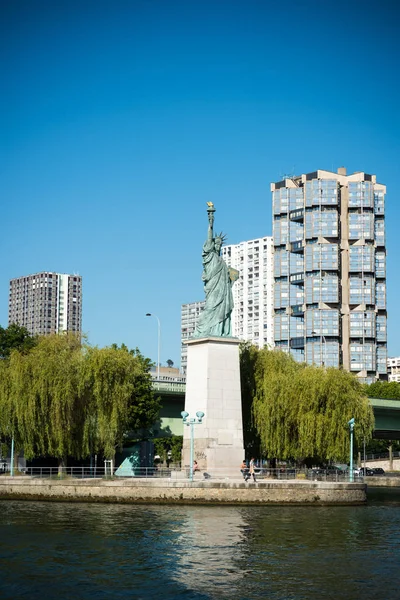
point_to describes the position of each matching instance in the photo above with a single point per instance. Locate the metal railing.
(90, 472)
(382, 455)
(169, 386)
(183, 474)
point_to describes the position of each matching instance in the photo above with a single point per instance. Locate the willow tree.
(248, 361)
(7, 413)
(121, 392)
(49, 402)
(301, 412)
(64, 399)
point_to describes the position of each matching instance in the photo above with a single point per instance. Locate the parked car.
(368, 472)
(378, 471)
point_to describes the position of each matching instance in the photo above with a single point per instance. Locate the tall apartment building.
(46, 302)
(330, 270)
(253, 312)
(393, 369)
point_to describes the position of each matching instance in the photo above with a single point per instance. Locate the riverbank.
(383, 481)
(183, 491)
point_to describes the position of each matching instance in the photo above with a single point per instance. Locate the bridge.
(172, 394)
(387, 418)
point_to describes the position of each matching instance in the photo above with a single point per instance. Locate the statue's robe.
(215, 320)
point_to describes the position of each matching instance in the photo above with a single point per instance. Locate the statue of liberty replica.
(213, 396)
(215, 320)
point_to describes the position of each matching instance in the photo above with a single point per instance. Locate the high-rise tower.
(253, 302)
(46, 302)
(330, 270)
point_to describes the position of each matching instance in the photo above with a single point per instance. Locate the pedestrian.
(195, 466)
(244, 470)
(252, 470)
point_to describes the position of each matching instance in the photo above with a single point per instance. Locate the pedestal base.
(213, 387)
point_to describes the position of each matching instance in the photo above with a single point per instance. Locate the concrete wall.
(169, 491)
(383, 464)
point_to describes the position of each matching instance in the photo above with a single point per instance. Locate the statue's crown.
(220, 236)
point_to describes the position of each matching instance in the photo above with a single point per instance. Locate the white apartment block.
(253, 312)
(46, 302)
(253, 292)
(393, 368)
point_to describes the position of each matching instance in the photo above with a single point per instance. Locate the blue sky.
(119, 120)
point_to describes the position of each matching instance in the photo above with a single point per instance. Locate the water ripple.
(84, 551)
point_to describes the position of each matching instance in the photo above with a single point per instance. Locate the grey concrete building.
(330, 270)
(189, 316)
(46, 302)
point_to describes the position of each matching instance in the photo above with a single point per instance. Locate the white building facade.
(253, 292)
(393, 368)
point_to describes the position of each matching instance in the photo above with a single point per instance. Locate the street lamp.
(323, 347)
(158, 345)
(12, 457)
(351, 427)
(191, 422)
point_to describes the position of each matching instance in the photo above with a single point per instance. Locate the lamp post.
(323, 347)
(351, 427)
(191, 422)
(158, 344)
(12, 457)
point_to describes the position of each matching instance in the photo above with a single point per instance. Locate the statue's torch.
(210, 212)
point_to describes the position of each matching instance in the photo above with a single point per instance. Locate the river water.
(82, 551)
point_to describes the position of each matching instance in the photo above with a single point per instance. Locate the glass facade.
(330, 269)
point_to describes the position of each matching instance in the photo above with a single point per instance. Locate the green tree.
(383, 389)
(248, 361)
(48, 406)
(144, 406)
(170, 363)
(122, 394)
(15, 337)
(171, 444)
(63, 398)
(301, 412)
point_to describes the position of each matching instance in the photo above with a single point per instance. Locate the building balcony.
(297, 343)
(297, 310)
(297, 215)
(297, 246)
(297, 278)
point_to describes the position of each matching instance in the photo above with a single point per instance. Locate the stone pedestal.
(213, 387)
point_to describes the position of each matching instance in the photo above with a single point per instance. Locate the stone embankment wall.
(382, 481)
(166, 491)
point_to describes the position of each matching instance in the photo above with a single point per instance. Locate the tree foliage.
(63, 398)
(15, 337)
(301, 412)
(383, 389)
(171, 444)
(248, 359)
